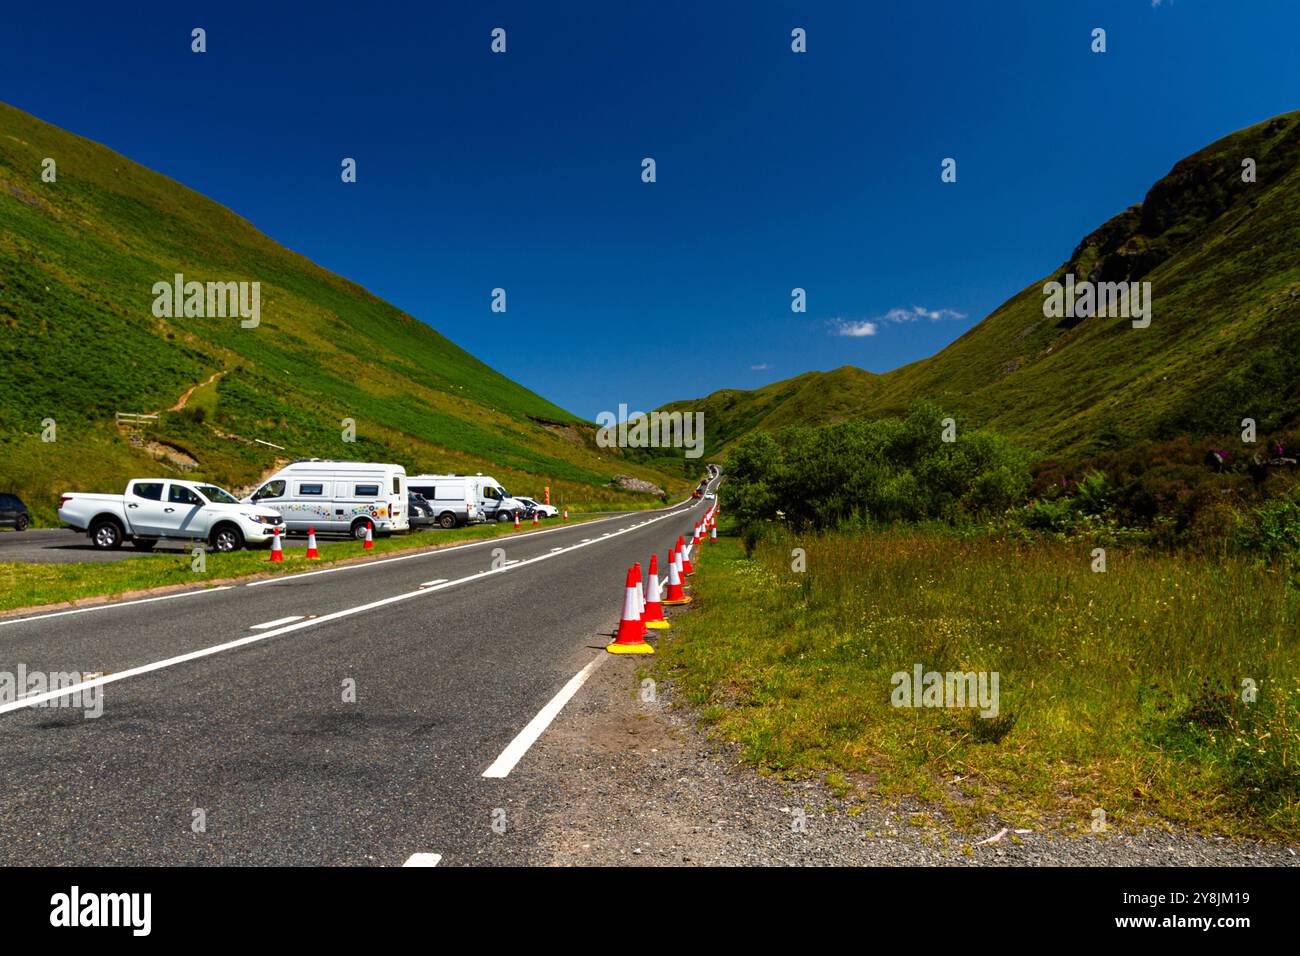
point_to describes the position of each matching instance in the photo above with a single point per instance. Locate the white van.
(482, 493)
(337, 496)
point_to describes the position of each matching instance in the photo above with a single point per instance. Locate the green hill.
(1223, 260)
(79, 342)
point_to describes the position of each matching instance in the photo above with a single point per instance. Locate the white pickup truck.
(154, 509)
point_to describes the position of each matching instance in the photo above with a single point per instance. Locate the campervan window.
(397, 485)
(311, 488)
(367, 491)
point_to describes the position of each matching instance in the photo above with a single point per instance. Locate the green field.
(1120, 691)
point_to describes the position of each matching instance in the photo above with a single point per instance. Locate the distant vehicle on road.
(14, 512)
(531, 506)
(491, 501)
(337, 496)
(419, 512)
(709, 495)
(155, 509)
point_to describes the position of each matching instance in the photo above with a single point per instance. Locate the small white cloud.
(759, 368)
(921, 312)
(854, 328)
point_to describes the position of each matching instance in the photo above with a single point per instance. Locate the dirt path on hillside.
(180, 403)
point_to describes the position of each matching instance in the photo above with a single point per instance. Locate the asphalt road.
(259, 737)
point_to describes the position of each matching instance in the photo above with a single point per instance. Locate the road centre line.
(423, 859)
(68, 690)
(276, 623)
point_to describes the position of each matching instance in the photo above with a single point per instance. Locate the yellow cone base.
(630, 649)
(686, 600)
(658, 625)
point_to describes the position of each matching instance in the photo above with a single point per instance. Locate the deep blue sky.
(775, 170)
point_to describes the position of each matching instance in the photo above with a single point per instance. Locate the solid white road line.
(270, 624)
(424, 859)
(105, 607)
(528, 736)
(33, 699)
(429, 584)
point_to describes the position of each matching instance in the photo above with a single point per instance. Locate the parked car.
(14, 512)
(157, 509)
(337, 496)
(532, 506)
(418, 511)
(459, 499)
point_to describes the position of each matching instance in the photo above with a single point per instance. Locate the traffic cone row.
(643, 603)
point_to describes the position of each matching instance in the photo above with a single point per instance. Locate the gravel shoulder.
(630, 781)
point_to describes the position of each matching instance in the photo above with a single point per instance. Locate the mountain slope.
(1223, 260)
(79, 341)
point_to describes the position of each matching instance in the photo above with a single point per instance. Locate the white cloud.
(852, 327)
(760, 367)
(921, 312)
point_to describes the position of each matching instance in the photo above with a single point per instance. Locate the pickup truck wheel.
(21, 523)
(503, 516)
(227, 538)
(106, 534)
(143, 544)
(447, 520)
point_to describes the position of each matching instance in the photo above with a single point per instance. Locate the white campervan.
(483, 494)
(337, 496)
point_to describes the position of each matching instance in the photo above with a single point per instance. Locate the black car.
(418, 510)
(14, 512)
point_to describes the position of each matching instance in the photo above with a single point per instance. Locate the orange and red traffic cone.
(676, 595)
(370, 536)
(654, 609)
(630, 638)
(685, 556)
(277, 554)
(311, 544)
(516, 520)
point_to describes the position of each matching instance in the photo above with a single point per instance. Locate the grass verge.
(25, 585)
(1120, 692)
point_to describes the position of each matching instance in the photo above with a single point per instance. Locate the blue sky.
(775, 170)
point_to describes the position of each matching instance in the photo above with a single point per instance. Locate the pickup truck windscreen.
(218, 495)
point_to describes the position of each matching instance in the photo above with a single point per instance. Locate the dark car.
(14, 512)
(419, 511)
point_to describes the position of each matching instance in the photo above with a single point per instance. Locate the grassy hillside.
(78, 342)
(1223, 344)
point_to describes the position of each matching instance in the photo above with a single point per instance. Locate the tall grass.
(1120, 690)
